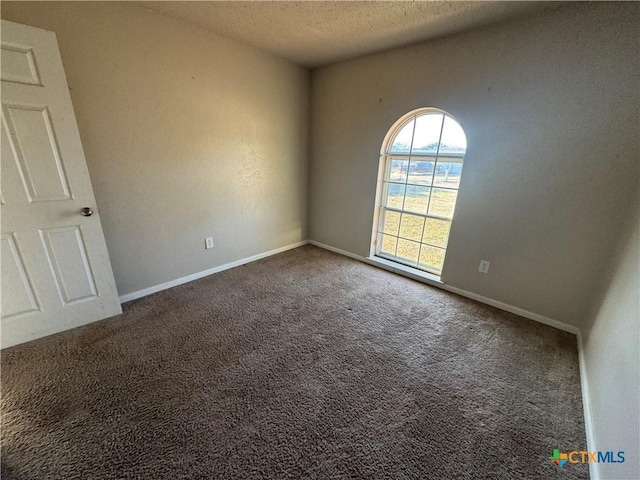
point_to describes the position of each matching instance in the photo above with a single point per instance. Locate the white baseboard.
(384, 265)
(594, 472)
(204, 273)
(516, 310)
(337, 250)
(474, 296)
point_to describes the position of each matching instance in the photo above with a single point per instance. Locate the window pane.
(402, 141)
(431, 258)
(447, 174)
(408, 251)
(391, 222)
(427, 134)
(395, 195)
(453, 138)
(442, 202)
(421, 170)
(417, 199)
(388, 245)
(436, 232)
(411, 227)
(398, 170)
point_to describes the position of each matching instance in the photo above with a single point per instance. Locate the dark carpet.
(303, 365)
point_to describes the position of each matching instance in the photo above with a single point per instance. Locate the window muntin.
(422, 168)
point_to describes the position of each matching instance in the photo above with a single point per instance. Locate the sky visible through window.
(426, 135)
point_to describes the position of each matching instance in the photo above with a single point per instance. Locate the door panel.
(15, 279)
(55, 272)
(69, 264)
(32, 140)
(18, 65)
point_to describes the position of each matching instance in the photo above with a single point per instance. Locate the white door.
(55, 270)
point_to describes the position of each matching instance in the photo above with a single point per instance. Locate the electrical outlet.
(208, 243)
(484, 266)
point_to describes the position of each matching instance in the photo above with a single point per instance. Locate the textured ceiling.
(317, 33)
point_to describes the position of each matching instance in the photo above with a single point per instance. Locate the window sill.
(406, 271)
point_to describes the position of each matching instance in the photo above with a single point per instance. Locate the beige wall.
(549, 105)
(187, 135)
(611, 351)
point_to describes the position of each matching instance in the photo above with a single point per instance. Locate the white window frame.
(379, 213)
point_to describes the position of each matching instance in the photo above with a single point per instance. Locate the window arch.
(421, 165)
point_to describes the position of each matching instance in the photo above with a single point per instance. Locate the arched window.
(421, 164)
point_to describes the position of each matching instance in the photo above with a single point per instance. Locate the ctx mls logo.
(577, 456)
(559, 458)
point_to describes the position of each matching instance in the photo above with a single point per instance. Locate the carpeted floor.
(303, 365)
